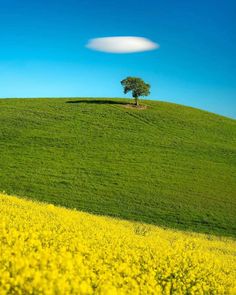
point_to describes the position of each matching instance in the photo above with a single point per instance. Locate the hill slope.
(168, 165)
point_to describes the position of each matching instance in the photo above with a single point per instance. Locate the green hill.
(168, 165)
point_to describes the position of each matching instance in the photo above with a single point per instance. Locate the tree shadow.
(98, 101)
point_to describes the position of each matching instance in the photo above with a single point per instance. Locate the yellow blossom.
(49, 250)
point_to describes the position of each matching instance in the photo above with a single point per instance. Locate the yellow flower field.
(50, 250)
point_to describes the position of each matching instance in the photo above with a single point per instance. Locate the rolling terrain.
(167, 165)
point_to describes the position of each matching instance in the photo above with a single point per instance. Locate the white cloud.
(122, 44)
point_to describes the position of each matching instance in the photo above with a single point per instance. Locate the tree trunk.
(136, 101)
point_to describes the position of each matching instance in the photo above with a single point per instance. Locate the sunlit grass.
(167, 165)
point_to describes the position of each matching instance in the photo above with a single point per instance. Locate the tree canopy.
(137, 86)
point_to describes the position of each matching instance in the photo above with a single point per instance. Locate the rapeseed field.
(46, 249)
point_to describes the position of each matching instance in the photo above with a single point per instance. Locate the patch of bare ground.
(134, 107)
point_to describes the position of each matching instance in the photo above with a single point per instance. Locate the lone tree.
(137, 86)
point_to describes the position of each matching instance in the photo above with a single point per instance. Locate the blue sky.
(43, 53)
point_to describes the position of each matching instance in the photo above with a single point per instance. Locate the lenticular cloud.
(122, 44)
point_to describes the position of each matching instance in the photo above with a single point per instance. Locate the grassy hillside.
(51, 250)
(168, 165)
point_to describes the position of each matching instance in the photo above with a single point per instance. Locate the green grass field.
(167, 165)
